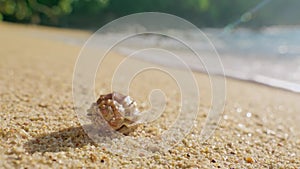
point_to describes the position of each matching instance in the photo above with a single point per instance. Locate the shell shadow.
(72, 137)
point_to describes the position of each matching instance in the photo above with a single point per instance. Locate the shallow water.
(269, 56)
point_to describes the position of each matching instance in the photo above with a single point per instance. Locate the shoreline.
(78, 38)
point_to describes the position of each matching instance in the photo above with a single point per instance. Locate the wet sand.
(39, 129)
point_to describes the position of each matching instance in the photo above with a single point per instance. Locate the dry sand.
(39, 129)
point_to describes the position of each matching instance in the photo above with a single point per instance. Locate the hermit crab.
(120, 112)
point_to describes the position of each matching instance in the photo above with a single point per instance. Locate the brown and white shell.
(119, 111)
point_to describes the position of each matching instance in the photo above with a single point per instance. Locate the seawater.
(269, 56)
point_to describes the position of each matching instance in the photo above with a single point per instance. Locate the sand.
(39, 128)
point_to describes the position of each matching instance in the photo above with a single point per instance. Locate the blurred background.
(91, 14)
(258, 40)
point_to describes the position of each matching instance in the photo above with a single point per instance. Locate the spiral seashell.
(119, 111)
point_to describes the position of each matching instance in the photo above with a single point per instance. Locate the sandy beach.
(39, 128)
